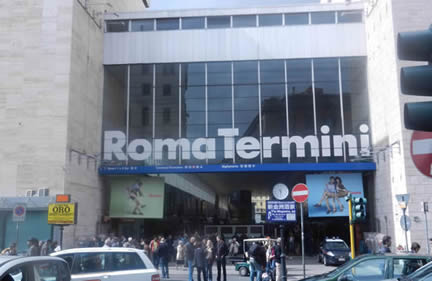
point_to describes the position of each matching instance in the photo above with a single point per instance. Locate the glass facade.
(267, 102)
(344, 17)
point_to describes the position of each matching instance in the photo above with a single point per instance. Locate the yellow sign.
(62, 213)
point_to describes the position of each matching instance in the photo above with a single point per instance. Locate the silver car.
(17, 268)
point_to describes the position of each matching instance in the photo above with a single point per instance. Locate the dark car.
(374, 268)
(333, 252)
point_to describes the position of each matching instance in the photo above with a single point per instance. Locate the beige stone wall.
(85, 111)
(34, 86)
(396, 173)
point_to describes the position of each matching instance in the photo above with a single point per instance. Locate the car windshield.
(336, 246)
(419, 273)
(341, 268)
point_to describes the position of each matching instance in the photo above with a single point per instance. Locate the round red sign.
(421, 152)
(300, 193)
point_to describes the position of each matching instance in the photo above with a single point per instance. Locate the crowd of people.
(34, 248)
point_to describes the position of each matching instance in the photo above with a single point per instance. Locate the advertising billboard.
(137, 197)
(62, 213)
(327, 193)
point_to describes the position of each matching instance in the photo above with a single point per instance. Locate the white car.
(17, 268)
(109, 264)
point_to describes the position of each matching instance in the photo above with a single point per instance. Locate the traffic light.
(358, 209)
(416, 80)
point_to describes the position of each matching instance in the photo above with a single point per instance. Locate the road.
(294, 267)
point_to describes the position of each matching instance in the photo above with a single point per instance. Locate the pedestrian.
(128, 243)
(234, 247)
(107, 243)
(190, 254)
(200, 260)
(386, 243)
(164, 254)
(257, 261)
(46, 248)
(270, 255)
(55, 247)
(278, 260)
(210, 259)
(415, 247)
(180, 254)
(146, 248)
(33, 247)
(221, 252)
(11, 251)
(154, 244)
(291, 243)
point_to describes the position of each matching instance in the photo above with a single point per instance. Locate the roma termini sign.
(325, 145)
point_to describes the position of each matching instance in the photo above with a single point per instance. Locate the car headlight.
(330, 254)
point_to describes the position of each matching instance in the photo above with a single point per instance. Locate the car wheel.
(243, 271)
(325, 261)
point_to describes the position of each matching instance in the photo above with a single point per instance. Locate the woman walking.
(210, 259)
(180, 254)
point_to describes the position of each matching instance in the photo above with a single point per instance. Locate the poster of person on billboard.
(327, 193)
(137, 197)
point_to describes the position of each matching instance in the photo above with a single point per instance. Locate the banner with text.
(327, 193)
(137, 197)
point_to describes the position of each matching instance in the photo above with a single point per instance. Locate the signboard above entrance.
(326, 145)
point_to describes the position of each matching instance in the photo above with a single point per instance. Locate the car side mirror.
(346, 277)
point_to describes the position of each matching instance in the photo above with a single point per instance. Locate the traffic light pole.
(351, 226)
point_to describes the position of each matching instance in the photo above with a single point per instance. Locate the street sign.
(300, 193)
(421, 152)
(408, 222)
(62, 213)
(280, 211)
(403, 200)
(19, 213)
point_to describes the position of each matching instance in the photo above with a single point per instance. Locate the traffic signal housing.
(416, 80)
(358, 209)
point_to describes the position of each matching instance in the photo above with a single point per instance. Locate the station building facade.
(232, 101)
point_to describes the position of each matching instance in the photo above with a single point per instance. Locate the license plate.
(341, 259)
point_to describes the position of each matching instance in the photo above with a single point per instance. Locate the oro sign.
(421, 152)
(62, 213)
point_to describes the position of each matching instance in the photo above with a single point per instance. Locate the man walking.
(189, 255)
(221, 252)
(164, 253)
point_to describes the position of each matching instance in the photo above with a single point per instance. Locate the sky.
(198, 4)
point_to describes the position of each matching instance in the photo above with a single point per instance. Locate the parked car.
(374, 268)
(333, 251)
(17, 268)
(109, 264)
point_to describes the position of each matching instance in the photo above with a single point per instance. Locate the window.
(19, 273)
(167, 90)
(350, 16)
(145, 117)
(127, 261)
(323, 17)
(143, 25)
(296, 19)
(117, 26)
(167, 24)
(166, 115)
(244, 21)
(193, 23)
(50, 271)
(218, 22)
(90, 263)
(403, 267)
(69, 259)
(369, 270)
(146, 89)
(270, 19)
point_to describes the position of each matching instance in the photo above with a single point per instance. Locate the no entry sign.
(300, 193)
(421, 152)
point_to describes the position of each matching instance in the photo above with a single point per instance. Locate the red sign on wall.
(421, 152)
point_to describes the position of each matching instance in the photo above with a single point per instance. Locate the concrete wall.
(395, 171)
(34, 74)
(85, 111)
